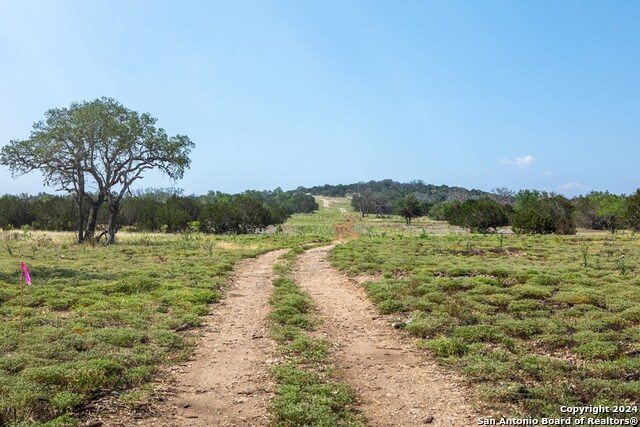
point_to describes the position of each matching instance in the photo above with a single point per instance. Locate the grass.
(535, 322)
(324, 222)
(308, 393)
(100, 317)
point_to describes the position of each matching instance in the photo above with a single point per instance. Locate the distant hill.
(428, 193)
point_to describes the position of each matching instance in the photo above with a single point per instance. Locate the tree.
(633, 210)
(542, 213)
(99, 143)
(610, 209)
(586, 216)
(363, 201)
(58, 148)
(444, 210)
(482, 215)
(503, 195)
(240, 214)
(408, 207)
(134, 145)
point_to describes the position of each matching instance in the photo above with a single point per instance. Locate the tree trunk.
(114, 208)
(79, 202)
(92, 220)
(80, 219)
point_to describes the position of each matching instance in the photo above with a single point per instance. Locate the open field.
(322, 223)
(102, 319)
(530, 322)
(535, 321)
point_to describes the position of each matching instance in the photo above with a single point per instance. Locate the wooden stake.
(20, 335)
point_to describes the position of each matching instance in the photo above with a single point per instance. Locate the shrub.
(483, 215)
(541, 213)
(603, 350)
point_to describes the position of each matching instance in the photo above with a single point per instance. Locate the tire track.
(227, 381)
(396, 384)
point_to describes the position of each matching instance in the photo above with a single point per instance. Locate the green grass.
(523, 317)
(323, 222)
(308, 393)
(102, 317)
(534, 321)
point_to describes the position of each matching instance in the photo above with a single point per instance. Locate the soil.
(227, 381)
(397, 384)
(346, 229)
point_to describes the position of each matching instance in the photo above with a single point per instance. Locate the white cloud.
(520, 162)
(573, 187)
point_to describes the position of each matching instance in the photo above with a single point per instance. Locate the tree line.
(166, 210)
(528, 211)
(539, 212)
(96, 150)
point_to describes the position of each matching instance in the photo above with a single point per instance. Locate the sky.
(481, 94)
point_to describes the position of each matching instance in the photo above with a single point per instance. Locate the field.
(530, 322)
(99, 319)
(535, 322)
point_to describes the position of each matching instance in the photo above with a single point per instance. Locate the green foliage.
(584, 251)
(482, 215)
(408, 207)
(41, 212)
(162, 210)
(239, 215)
(97, 143)
(305, 398)
(446, 347)
(390, 191)
(541, 213)
(603, 210)
(632, 208)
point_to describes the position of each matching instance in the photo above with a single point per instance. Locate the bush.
(541, 213)
(483, 215)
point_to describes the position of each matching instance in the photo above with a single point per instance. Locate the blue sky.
(481, 94)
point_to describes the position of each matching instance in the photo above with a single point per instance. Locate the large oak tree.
(96, 150)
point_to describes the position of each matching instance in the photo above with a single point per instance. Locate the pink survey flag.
(27, 278)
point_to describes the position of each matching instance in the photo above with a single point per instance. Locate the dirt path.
(346, 229)
(397, 385)
(227, 383)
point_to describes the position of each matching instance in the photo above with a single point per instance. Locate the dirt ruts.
(397, 385)
(227, 381)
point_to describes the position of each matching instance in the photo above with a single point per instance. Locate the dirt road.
(396, 384)
(227, 383)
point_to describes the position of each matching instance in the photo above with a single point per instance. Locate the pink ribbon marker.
(27, 278)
